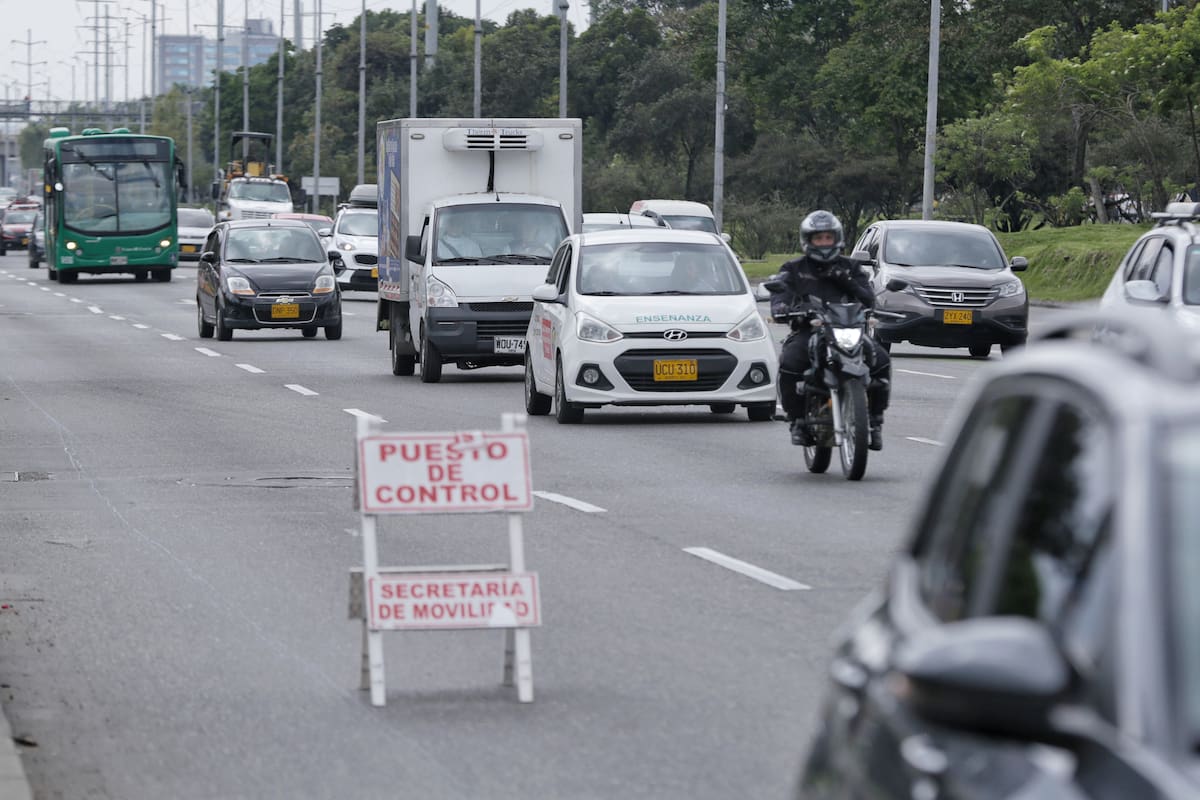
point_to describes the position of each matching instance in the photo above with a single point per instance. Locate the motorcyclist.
(823, 272)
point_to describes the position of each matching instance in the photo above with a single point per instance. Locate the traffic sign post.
(445, 473)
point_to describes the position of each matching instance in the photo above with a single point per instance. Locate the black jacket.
(839, 281)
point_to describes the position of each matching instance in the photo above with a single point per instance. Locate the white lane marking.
(59, 294)
(172, 337)
(76, 300)
(96, 309)
(140, 326)
(45, 288)
(204, 351)
(187, 301)
(249, 368)
(358, 412)
(578, 505)
(117, 317)
(298, 389)
(927, 374)
(749, 570)
(923, 440)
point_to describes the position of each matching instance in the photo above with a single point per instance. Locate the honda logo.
(675, 335)
(958, 297)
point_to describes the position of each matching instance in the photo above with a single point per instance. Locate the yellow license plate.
(285, 311)
(24, 240)
(676, 369)
(374, 272)
(188, 248)
(955, 316)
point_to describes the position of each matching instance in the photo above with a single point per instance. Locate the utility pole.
(563, 5)
(279, 98)
(188, 87)
(316, 203)
(931, 92)
(412, 64)
(29, 65)
(362, 91)
(245, 77)
(217, 89)
(478, 94)
(719, 132)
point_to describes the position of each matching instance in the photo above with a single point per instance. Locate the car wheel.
(979, 350)
(309, 331)
(333, 332)
(402, 363)
(536, 403)
(431, 360)
(566, 412)
(722, 408)
(761, 412)
(224, 332)
(205, 329)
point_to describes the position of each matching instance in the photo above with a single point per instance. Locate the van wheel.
(431, 360)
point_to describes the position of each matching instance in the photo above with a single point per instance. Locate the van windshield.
(498, 233)
(686, 222)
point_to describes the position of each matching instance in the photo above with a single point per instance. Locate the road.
(178, 529)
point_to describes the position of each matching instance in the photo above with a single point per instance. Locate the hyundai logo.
(675, 335)
(957, 297)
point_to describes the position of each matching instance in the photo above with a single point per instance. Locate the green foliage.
(1071, 264)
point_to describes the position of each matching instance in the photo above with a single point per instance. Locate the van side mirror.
(412, 249)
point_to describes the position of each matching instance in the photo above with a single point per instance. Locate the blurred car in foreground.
(266, 273)
(961, 291)
(1039, 636)
(603, 221)
(194, 225)
(647, 317)
(1161, 271)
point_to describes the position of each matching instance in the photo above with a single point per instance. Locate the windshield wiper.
(508, 258)
(242, 260)
(460, 260)
(154, 177)
(287, 259)
(605, 293)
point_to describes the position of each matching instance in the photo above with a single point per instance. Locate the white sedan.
(647, 317)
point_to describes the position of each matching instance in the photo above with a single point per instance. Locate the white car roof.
(654, 234)
(619, 219)
(689, 207)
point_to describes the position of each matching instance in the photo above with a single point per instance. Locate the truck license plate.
(509, 345)
(285, 311)
(955, 316)
(677, 369)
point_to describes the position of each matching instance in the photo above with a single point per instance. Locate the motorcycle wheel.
(817, 458)
(855, 430)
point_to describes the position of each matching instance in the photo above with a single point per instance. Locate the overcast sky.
(65, 32)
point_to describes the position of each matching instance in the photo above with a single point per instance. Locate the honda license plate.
(285, 311)
(509, 345)
(675, 369)
(958, 316)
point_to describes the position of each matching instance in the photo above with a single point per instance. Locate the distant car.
(37, 241)
(959, 288)
(597, 221)
(1038, 636)
(17, 224)
(1161, 271)
(678, 214)
(356, 238)
(194, 225)
(266, 273)
(646, 317)
(320, 223)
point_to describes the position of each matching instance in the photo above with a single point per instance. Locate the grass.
(1065, 264)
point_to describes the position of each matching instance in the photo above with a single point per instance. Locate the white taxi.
(647, 317)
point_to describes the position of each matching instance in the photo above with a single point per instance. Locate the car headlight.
(748, 330)
(238, 285)
(325, 284)
(590, 329)
(847, 338)
(346, 246)
(1011, 288)
(439, 295)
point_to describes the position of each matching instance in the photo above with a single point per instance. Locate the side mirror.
(761, 292)
(208, 257)
(546, 293)
(1019, 263)
(774, 284)
(325, 232)
(862, 257)
(990, 675)
(412, 249)
(896, 285)
(1144, 292)
(335, 258)
(726, 237)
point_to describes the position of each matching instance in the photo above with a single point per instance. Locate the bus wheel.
(140, 275)
(52, 273)
(67, 277)
(163, 275)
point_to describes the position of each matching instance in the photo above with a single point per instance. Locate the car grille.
(690, 335)
(256, 214)
(366, 260)
(501, 328)
(950, 297)
(512, 308)
(713, 367)
(273, 295)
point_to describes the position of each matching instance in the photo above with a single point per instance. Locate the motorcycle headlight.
(590, 329)
(439, 295)
(238, 285)
(748, 330)
(1011, 289)
(847, 338)
(324, 284)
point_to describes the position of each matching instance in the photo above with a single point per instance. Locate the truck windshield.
(260, 192)
(502, 233)
(107, 197)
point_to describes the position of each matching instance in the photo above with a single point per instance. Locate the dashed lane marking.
(204, 351)
(927, 374)
(358, 412)
(747, 569)
(923, 440)
(578, 505)
(249, 368)
(172, 337)
(298, 389)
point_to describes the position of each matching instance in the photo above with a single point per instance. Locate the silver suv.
(1161, 272)
(950, 284)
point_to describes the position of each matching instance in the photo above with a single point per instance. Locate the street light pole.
(412, 64)
(316, 203)
(478, 95)
(362, 91)
(719, 132)
(563, 5)
(279, 99)
(935, 25)
(245, 77)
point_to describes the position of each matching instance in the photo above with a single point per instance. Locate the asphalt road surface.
(178, 529)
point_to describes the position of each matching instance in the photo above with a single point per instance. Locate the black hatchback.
(1039, 637)
(266, 273)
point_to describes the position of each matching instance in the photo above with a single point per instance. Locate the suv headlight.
(1011, 288)
(347, 246)
(748, 330)
(439, 295)
(590, 329)
(238, 285)
(324, 284)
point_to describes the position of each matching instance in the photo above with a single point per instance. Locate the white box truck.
(470, 214)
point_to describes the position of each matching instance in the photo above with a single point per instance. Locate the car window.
(564, 275)
(869, 242)
(1131, 260)
(1161, 272)
(1145, 263)
(1191, 277)
(973, 487)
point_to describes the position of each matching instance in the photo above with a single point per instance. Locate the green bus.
(110, 204)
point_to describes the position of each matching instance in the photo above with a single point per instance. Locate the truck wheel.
(402, 363)
(431, 361)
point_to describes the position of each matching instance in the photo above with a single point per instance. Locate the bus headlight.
(165, 243)
(72, 246)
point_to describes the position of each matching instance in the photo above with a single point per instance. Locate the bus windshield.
(117, 196)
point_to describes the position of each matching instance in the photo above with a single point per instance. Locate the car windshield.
(19, 217)
(658, 268)
(688, 222)
(1191, 277)
(195, 218)
(950, 248)
(1182, 475)
(273, 245)
(359, 223)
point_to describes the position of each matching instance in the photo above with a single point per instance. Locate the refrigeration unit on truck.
(470, 214)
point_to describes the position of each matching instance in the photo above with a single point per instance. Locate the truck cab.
(250, 189)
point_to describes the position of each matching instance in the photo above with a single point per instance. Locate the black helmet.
(821, 222)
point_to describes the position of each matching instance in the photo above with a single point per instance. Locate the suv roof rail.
(1158, 343)
(1177, 212)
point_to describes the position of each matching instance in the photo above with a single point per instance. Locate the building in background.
(176, 53)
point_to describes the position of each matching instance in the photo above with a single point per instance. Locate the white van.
(679, 214)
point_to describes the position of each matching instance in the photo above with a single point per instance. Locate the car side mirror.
(208, 257)
(991, 675)
(761, 292)
(412, 249)
(896, 285)
(325, 232)
(862, 257)
(774, 284)
(546, 293)
(726, 237)
(1019, 263)
(1144, 292)
(335, 256)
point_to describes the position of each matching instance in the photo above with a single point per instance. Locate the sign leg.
(364, 678)
(524, 666)
(375, 654)
(508, 657)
